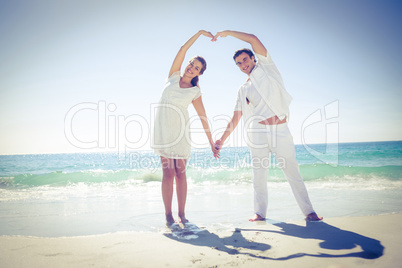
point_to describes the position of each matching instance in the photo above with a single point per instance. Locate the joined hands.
(216, 148)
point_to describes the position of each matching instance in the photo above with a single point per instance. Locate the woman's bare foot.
(256, 217)
(169, 219)
(313, 217)
(182, 219)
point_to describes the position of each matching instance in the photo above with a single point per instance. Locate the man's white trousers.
(276, 139)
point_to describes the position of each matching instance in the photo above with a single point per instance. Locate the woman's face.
(193, 68)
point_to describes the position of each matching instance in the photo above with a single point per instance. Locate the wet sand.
(368, 241)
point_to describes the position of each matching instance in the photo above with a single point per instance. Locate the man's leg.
(260, 160)
(285, 153)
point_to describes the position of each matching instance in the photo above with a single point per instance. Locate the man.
(264, 101)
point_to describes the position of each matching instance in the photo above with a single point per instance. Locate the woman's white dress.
(171, 138)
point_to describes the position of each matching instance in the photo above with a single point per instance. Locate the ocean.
(54, 195)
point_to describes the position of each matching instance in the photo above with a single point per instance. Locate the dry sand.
(370, 241)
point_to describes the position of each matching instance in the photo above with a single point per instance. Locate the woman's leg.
(168, 167)
(181, 187)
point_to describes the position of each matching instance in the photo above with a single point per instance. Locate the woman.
(171, 129)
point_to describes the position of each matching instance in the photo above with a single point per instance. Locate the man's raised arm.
(253, 40)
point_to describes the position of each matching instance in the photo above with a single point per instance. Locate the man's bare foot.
(313, 217)
(256, 217)
(182, 219)
(169, 219)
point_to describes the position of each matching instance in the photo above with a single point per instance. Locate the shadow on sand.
(328, 237)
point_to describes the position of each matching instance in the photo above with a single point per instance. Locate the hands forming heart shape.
(214, 37)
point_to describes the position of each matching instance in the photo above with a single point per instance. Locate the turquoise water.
(81, 194)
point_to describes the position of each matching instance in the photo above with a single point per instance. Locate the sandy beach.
(366, 241)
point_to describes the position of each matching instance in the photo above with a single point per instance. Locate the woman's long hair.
(194, 81)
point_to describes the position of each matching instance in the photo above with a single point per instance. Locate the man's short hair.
(245, 50)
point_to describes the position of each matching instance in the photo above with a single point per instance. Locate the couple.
(263, 101)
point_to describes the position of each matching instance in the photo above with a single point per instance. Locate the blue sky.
(96, 67)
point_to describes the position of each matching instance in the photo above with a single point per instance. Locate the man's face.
(245, 63)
